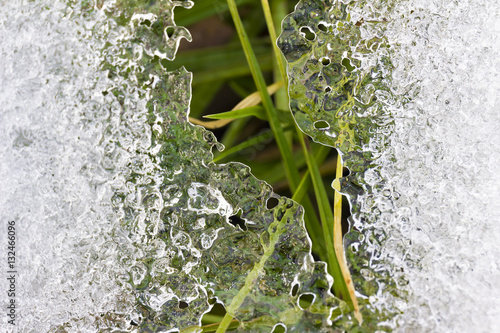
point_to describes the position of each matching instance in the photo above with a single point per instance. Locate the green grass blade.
(230, 72)
(276, 229)
(280, 10)
(335, 253)
(302, 189)
(208, 58)
(313, 225)
(274, 38)
(256, 111)
(233, 132)
(290, 170)
(202, 10)
(262, 137)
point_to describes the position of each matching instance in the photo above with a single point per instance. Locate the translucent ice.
(441, 165)
(415, 112)
(53, 181)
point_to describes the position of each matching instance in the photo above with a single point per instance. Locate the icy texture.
(338, 74)
(339, 85)
(52, 179)
(176, 206)
(123, 221)
(441, 168)
(424, 234)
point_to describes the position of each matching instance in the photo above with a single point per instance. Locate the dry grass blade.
(338, 241)
(251, 100)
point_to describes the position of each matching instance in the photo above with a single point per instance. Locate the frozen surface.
(424, 176)
(123, 221)
(53, 181)
(443, 163)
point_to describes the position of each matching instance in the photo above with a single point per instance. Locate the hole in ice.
(322, 27)
(345, 172)
(347, 64)
(183, 305)
(305, 300)
(237, 221)
(215, 315)
(321, 125)
(146, 23)
(295, 289)
(271, 203)
(279, 328)
(169, 32)
(325, 61)
(308, 33)
(354, 247)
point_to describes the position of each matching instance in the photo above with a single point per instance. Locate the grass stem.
(286, 152)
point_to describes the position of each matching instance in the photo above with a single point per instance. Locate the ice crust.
(122, 218)
(424, 240)
(424, 177)
(52, 182)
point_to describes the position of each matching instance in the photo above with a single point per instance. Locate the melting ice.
(431, 220)
(424, 174)
(122, 219)
(51, 179)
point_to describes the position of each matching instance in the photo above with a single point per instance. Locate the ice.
(52, 183)
(123, 220)
(424, 177)
(443, 154)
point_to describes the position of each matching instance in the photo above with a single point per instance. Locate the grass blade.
(256, 111)
(326, 216)
(251, 142)
(274, 38)
(286, 152)
(343, 284)
(243, 109)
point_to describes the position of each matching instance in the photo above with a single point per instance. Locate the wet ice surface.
(443, 163)
(52, 181)
(122, 219)
(110, 203)
(425, 226)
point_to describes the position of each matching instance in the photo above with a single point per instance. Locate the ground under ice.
(437, 203)
(416, 117)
